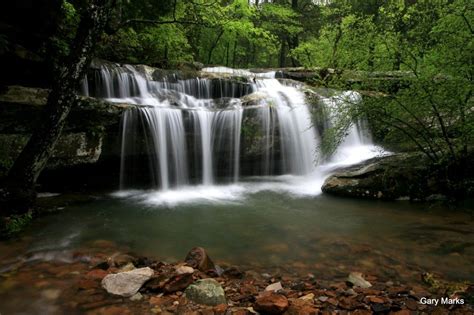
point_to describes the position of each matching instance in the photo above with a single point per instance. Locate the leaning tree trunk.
(19, 192)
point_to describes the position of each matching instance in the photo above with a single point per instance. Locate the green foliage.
(14, 224)
(61, 42)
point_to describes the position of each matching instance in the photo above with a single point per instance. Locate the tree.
(19, 191)
(435, 111)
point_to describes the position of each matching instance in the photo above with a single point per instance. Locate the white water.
(192, 131)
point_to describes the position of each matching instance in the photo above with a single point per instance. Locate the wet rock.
(127, 283)
(380, 308)
(271, 304)
(207, 292)
(274, 287)
(387, 177)
(198, 259)
(233, 272)
(178, 282)
(358, 281)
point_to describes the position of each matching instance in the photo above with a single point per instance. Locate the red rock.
(198, 259)
(96, 274)
(374, 299)
(301, 307)
(110, 310)
(271, 304)
(220, 309)
(86, 284)
(178, 283)
(348, 303)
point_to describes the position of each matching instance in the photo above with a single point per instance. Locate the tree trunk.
(294, 41)
(19, 192)
(282, 55)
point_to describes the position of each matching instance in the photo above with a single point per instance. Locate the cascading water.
(221, 127)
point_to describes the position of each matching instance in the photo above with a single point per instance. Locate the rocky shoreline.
(107, 282)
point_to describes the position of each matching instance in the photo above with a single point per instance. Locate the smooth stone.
(51, 294)
(307, 297)
(274, 287)
(136, 297)
(323, 298)
(358, 281)
(184, 269)
(127, 267)
(127, 283)
(207, 292)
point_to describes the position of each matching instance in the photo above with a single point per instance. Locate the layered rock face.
(399, 176)
(87, 149)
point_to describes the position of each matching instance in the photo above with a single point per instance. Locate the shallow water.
(254, 227)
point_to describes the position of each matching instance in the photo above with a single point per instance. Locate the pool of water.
(272, 225)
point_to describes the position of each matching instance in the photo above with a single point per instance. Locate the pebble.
(274, 287)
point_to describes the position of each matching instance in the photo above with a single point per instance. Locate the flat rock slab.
(127, 283)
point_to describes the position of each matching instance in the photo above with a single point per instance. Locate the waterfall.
(216, 128)
(203, 128)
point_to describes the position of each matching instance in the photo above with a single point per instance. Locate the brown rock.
(118, 260)
(178, 283)
(332, 301)
(401, 312)
(374, 299)
(156, 300)
(412, 305)
(157, 283)
(301, 307)
(86, 284)
(233, 272)
(96, 274)
(241, 311)
(198, 259)
(220, 309)
(271, 304)
(348, 303)
(110, 310)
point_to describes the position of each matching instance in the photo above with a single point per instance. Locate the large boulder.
(400, 176)
(198, 259)
(206, 291)
(127, 283)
